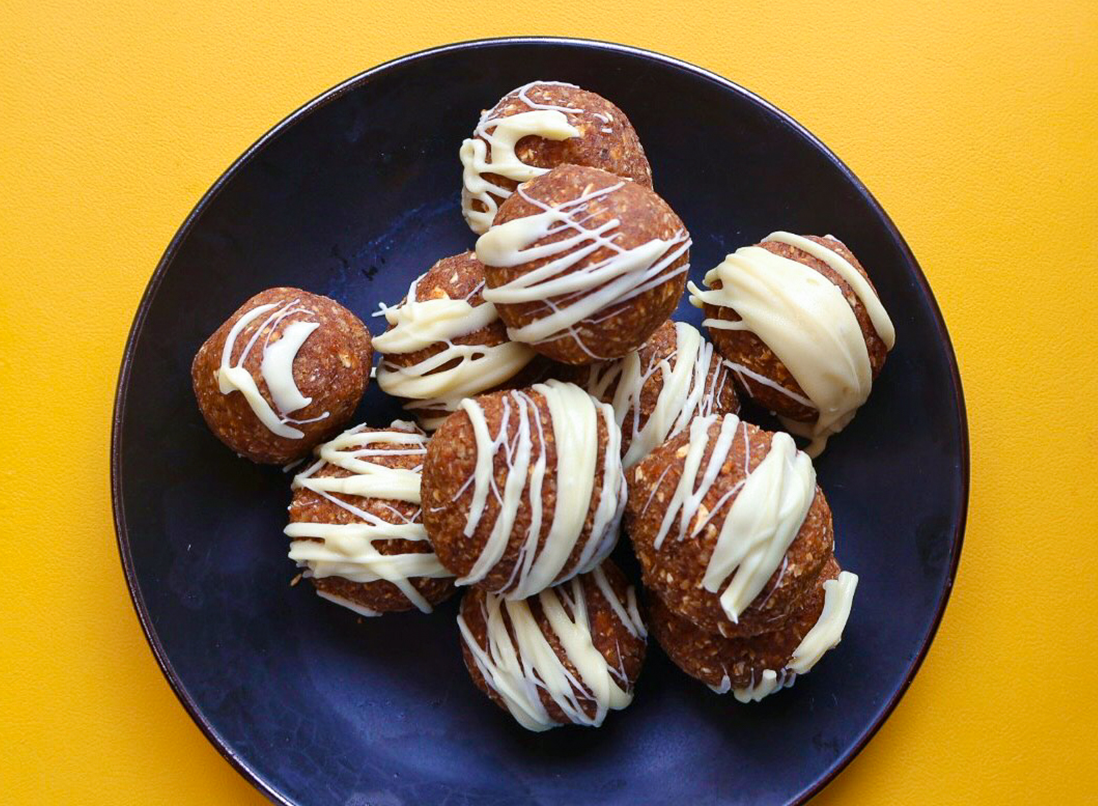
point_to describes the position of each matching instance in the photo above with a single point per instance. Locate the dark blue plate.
(354, 195)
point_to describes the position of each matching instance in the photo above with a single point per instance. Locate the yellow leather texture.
(975, 123)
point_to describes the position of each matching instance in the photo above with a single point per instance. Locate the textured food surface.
(621, 326)
(737, 662)
(662, 345)
(622, 650)
(675, 571)
(382, 596)
(448, 490)
(606, 138)
(745, 348)
(332, 367)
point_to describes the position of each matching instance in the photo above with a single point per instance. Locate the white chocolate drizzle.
(807, 322)
(276, 367)
(501, 135)
(824, 636)
(767, 510)
(348, 550)
(441, 381)
(574, 426)
(692, 380)
(574, 292)
(520, 663)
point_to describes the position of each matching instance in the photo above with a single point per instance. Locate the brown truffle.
(475, 356)
(745, 348)
(651, 381)
(608, 263)
(675, 571)
(378, 539)
(601, 604)
(528, 495)
(330, 370)
(730, 663)
(601, 136)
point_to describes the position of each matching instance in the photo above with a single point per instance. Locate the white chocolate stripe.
(882, 322)
(276, 367)
(573, 295)
(573, 424)
(519, 664)
(347, 550)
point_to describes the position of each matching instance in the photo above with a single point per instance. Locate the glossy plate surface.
(352, 197)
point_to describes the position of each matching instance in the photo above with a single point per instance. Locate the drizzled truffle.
(523, 489)
(568, 655)
(539, 126)
(583, 265)
(803, 327)
(284, 373)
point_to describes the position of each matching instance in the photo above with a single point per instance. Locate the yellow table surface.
(974, 123)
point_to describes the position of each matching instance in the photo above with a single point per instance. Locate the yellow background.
(975, 124)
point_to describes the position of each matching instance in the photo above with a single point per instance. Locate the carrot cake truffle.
(356, 527)
(523, 489)
(445, 343)
(729, 526)
(565, 656)
(658, 390)
(752, 668)
(536, 127)
(584, 265)
(283, 374)
(802, 323)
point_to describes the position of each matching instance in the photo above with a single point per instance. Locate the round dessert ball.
(796, 347)
(658, 390)
(539, 126)
(728, 524)
(356, 524)
(523, 489)
(283, 374)
(565, 656)
(755, 666)
(584, 265)
(445, 343)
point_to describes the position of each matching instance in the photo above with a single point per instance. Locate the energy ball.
(283, 374)
(729, 526)
(752, 668)
(539, 126)
(565, 656)
(803, 326)
(658, 390)
(356, 524)
(583, 265)
(445, 343)
(523, 489)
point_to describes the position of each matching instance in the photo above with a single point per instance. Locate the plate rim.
(117, 494)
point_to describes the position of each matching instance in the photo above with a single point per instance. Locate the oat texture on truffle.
(446, 343)
(282, 374)
(539, 126)
(728, 524)
(803, 326)
(756, 666)
(658, 390)
(523, 489)
(568, 655)
(584, 265)
(356, 525)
